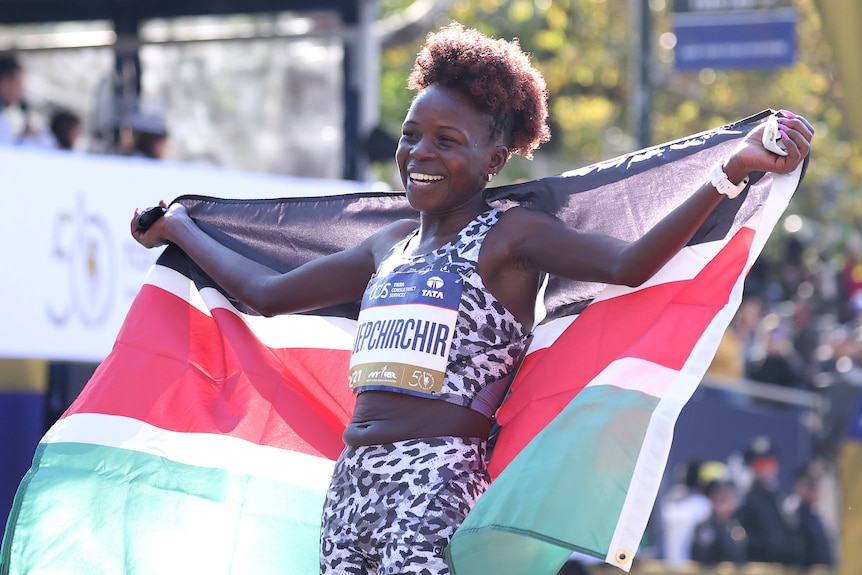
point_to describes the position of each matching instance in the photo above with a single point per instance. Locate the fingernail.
(783, 131)
(788, 113)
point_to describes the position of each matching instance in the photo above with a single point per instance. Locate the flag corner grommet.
(622, 557)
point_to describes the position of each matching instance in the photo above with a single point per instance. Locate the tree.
(582, 48)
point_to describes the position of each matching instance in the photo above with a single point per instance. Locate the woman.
(427, 383)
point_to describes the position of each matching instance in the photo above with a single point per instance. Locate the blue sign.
(735, 40)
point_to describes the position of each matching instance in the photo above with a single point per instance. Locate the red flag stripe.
(196, 373)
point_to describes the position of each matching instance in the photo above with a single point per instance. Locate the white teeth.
(425, 177)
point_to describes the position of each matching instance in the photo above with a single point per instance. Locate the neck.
(437, 230)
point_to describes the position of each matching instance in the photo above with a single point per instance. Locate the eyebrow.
(444, 126)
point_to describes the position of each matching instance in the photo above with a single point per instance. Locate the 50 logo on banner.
(84, 252)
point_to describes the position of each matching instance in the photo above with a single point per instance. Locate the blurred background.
(317, 90)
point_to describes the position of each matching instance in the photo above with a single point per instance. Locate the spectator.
(149, 137)
(814, 539)
(780, 364)
(850, 285)
(66, 128)
(770, 536)
(720, 538)
(806, 339)
(734, 350)
(682, 508)
(17, 129)
(839, 383)
(11, 94)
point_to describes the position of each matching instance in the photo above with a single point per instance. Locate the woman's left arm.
(593, 257)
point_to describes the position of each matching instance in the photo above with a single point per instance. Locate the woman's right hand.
(157, 234)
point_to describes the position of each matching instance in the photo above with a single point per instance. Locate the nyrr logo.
(434, 283)
(382, 373)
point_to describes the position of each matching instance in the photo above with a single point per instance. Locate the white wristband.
(719, 181)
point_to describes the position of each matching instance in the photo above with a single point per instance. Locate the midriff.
(387, 417)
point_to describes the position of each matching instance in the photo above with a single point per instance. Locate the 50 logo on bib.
(405, 331)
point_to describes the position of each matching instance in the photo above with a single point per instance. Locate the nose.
(421, 148)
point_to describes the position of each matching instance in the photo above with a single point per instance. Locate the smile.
(423, 179)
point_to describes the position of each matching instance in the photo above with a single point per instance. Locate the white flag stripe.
(177, 284)
(546, 334)
(197, 449)
(635, 374)
(280, 332)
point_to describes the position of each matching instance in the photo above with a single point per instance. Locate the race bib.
(405, 331)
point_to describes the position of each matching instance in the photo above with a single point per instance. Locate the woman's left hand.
(752, 156)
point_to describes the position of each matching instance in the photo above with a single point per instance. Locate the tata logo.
(434, 282)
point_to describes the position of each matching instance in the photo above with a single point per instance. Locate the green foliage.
(583, 49)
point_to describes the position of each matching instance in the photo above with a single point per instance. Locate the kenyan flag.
(205, 440)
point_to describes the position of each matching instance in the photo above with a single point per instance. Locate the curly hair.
(496, 75)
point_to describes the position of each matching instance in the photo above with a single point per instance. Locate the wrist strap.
(719, 181)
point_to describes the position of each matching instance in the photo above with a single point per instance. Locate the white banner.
(70, 268)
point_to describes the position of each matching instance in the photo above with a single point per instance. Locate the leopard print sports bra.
(429, 327)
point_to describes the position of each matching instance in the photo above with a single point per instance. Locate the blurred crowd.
(799, 327)
(138, 133)
(712, 515)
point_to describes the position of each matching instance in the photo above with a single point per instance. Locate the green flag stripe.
(594, 443)
(119, 501)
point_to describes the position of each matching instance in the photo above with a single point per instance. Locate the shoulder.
(520, 222)
(398, 229)
(507, 243)
(520, 215)
(518, 227)
(381, 241)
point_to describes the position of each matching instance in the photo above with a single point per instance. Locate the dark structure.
(127, 16)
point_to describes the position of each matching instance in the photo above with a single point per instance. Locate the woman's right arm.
(329, 280)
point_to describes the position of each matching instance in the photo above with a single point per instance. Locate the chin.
(413, 200)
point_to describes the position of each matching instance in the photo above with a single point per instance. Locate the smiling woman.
(448, 302)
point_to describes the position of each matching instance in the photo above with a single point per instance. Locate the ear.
(499, 158)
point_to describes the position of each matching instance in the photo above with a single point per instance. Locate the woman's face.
(445, 153)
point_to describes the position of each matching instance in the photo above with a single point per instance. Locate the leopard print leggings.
(391, 509)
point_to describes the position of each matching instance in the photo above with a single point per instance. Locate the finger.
(792, 141)
(790, 115)
(799, 124)
(800, 138)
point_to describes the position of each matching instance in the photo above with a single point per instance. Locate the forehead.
(446, 106)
